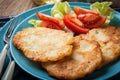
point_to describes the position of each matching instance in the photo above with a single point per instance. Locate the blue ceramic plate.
(35, 68)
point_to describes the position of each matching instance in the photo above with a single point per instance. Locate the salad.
(77, 20)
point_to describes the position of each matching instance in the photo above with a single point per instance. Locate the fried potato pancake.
(85, 58)
(109, 40)
(43, 44)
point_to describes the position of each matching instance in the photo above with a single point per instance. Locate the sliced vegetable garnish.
(98, 23)
(79, 10)
(73, 24)
(104, 9)
(78, 20)
(89, 18)
(61, 8)
(45, 17)
(51, 25)
(35, 23)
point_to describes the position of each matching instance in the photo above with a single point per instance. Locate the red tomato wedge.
(88, 17)
(51, 25)
(45, 17)
(79, 10)
(74, 24)
(81, 17)
(100, 22)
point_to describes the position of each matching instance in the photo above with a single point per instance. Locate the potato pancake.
(85, 58)
(109, 40)
(43, 44)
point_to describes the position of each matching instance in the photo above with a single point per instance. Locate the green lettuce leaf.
(35, 23)
(61, 8)
(104, 9)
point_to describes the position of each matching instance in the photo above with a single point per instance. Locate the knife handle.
(9, 71)
(2, 57)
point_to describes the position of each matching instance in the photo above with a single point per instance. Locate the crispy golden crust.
(109, 40)
(43, 44)
(86, 57)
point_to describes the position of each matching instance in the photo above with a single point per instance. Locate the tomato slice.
(76, 21)
(51, 25)
(73, 24)
(100, 22)
(88, 18)
(81, 17)
(49, 18)
(79, 10)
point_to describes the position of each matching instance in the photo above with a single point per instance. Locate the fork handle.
(9, 71)
(2, 57)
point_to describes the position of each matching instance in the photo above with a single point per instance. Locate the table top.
(15, 7)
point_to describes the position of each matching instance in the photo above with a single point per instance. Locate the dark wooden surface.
(14, 7)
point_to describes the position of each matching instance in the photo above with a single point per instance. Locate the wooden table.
(14, 7)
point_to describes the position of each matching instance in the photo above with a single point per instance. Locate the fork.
(10, 68)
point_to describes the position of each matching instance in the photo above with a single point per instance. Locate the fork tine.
(9, 27)
(13, 27)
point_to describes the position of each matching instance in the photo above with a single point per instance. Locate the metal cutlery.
(10, 68)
